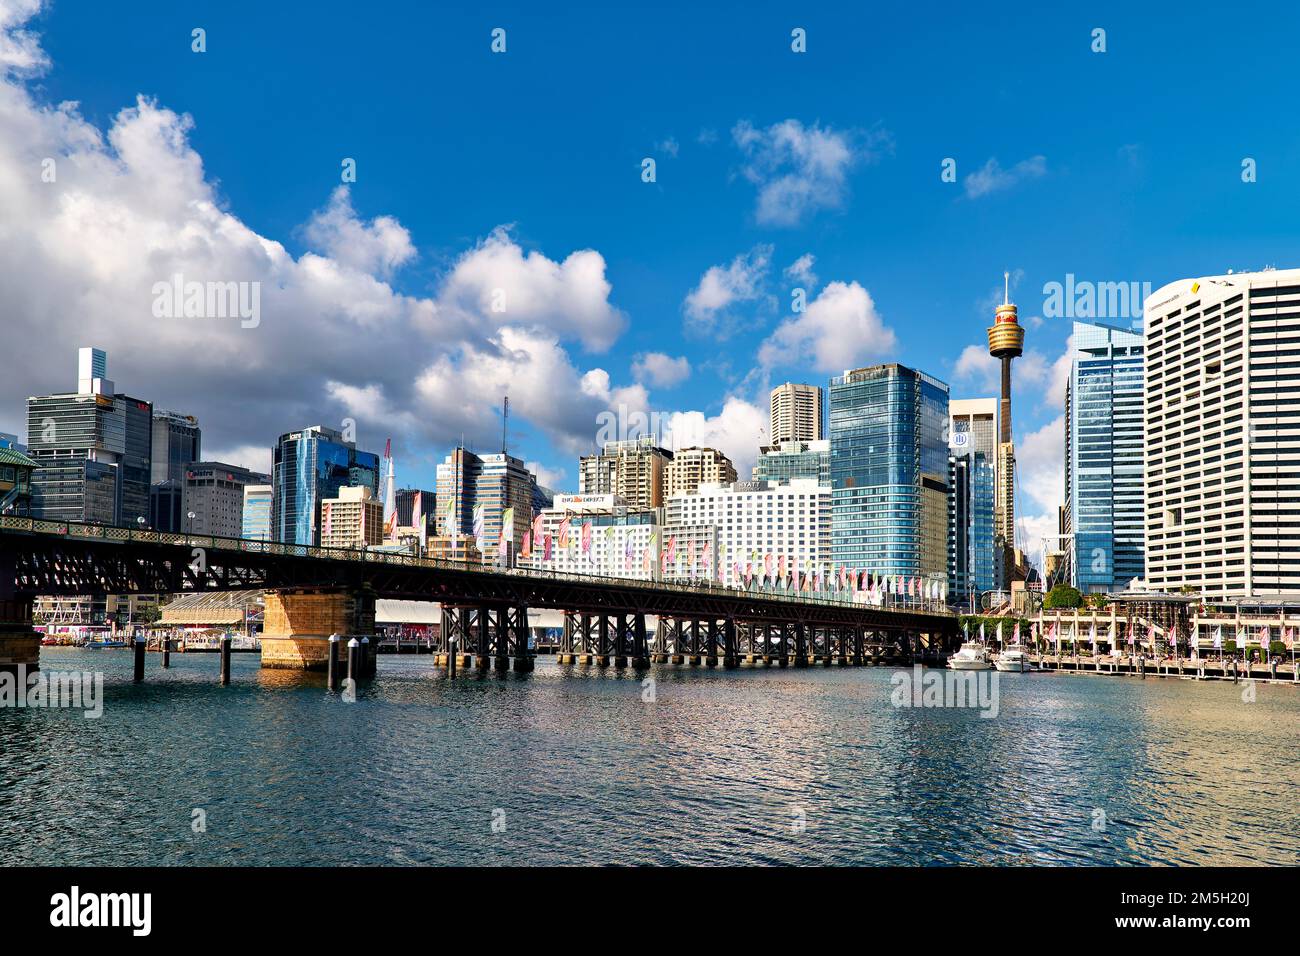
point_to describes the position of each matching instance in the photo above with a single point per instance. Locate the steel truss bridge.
(485, 610)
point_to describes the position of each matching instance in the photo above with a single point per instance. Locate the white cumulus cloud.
(799, 170)
(708, 306)
(991, 177)
(840, 329)
(661, 370)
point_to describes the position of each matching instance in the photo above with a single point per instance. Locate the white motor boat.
(972, 657)
(1013, 659)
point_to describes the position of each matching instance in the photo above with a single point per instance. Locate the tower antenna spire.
(1006, 288)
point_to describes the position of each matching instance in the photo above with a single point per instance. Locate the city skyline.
(849, 192)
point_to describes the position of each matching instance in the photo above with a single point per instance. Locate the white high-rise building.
(748, 523)
(1223, 436)
(796, 414)
(620, 544)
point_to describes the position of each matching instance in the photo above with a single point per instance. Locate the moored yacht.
(1012, 659)
(973, 656)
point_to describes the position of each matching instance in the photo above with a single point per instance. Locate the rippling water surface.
(722, 767)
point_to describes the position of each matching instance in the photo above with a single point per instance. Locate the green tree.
(1063, 596)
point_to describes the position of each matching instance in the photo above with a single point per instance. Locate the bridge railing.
(71, 529)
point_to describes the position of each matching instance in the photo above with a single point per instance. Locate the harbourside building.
(889, 472)
(1222, 439)
(595, 534)
(728, 532)
(1103, 458)
(15, 479)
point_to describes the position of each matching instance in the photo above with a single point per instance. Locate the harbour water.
(576, 766)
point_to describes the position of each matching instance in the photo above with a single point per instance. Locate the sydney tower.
(1006, 342)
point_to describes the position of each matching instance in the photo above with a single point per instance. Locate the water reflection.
(749, 766)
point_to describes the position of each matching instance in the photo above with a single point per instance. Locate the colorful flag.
(526, 549)
(546, 547)
(564, 532)
(508, 526)
(586, 537)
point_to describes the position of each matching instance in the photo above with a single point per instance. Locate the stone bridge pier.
(298, 623)
(20, 645)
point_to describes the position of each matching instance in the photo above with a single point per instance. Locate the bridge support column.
(800, 646)
(640, 657)
(20, 644)
(711, 658)
(730, 653)
(602, 641)
(620, 641)
(523, 656)
(298, 624)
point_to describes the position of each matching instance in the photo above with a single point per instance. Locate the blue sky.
(1115, 166)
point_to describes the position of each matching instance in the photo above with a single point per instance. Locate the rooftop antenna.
(1006, 288)
(505, 422)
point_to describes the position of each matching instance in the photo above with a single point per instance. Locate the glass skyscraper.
(889, 472)
(794, 459)
(972, 441)
(307, 467)
(1103, 457)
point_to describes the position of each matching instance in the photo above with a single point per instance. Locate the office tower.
(474, 492)
(794, 459)
(756, 524)
(1222, 390)
(92, 365)
(972, 442)
(93, 450)
(307, 467)
(504, 484)
(405, 499)
(167, 506)
(633, 469)
(1103, 455)
(622, 543)
(796, 414)
(256, 524)
(177, 441)
(1006, 342)
(354, 518)
(691, 466)
(889, 472)
(214, 494)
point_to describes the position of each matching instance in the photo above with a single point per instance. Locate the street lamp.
(190, 515)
